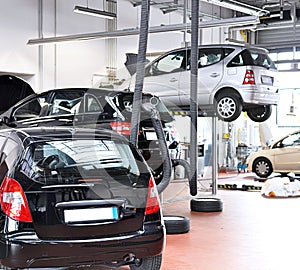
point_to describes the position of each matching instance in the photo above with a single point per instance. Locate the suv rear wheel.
(228, 107)
(260, 113)
(151, 263)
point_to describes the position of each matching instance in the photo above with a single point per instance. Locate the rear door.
(85, 188)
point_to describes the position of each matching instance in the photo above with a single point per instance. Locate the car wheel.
(206, 205)
(262, 167)
(228, 107)
(260, 113)
(177, 224)
(151, 263)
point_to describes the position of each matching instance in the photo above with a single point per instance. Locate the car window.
(173, 62)
(65, 102)
(123, 104)
(261, 59)
(73, 161)
(30, 109)
(242, 59)
(92, 104)
(209, 56)
(252, 58)
(292, 140)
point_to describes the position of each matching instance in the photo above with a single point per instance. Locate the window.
(209, 57)
(71, 161)
(30, 109)
(173, 62)
(92, 104)
(66, 102)
(252, 58)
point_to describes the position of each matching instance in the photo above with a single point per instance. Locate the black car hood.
(12, 90)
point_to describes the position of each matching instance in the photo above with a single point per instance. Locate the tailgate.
(87, 210)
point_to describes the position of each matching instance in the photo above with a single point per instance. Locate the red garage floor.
(251, 233)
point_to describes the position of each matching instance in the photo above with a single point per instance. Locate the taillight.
(152, 205)
(13, 201)
(249, 77)
(122, 128)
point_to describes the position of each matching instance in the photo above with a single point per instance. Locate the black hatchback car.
(94, 108)
(72, 197)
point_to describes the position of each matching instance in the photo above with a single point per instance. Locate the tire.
(206, 205)
(177, 224)
(260, 113)
(228, 107)
(151, 263)
(262, 167)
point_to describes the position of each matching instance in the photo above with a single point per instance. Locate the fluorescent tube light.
(94, 12)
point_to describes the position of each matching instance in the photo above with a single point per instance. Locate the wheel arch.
(254, 161)
(226, 89)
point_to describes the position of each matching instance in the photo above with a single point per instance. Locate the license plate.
(151, 136)
(267, 80)
(91, 215)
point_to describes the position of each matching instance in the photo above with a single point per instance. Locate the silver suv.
(232, 79)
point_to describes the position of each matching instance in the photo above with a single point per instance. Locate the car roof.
(29, 135)
(233, 46)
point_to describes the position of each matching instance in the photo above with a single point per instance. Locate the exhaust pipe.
(130, 257)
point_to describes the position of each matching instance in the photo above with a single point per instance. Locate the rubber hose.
(167, 167)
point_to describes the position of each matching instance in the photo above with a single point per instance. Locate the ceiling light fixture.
(239, 6)
(94, 12)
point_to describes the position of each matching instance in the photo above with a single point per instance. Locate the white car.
(282, 156)
(232, 79)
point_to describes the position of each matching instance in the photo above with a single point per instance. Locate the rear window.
(83, 160)
(251, 57)
(123, 103)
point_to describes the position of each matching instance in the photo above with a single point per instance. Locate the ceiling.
(278, 27)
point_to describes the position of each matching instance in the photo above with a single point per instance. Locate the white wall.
(18, 21)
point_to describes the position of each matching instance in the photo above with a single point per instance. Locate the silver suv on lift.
(232, 79)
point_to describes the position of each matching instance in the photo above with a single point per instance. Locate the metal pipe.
(40, 48)
(194, 97)
(239, 21)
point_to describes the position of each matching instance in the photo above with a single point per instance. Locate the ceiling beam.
(238, 21)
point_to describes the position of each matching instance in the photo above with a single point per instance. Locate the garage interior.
(50, 45)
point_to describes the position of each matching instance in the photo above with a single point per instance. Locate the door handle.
(215, 75)
(173, 80)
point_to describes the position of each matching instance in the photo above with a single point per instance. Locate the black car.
(94, 108)
(72, 197)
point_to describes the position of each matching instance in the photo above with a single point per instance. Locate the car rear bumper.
(260, 97)
(27, 250)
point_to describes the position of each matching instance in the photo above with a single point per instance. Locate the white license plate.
(151, 136)
(91, 214)
(267, 80)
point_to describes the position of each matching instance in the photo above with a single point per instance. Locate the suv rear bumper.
(27, 250)
(260, 97)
